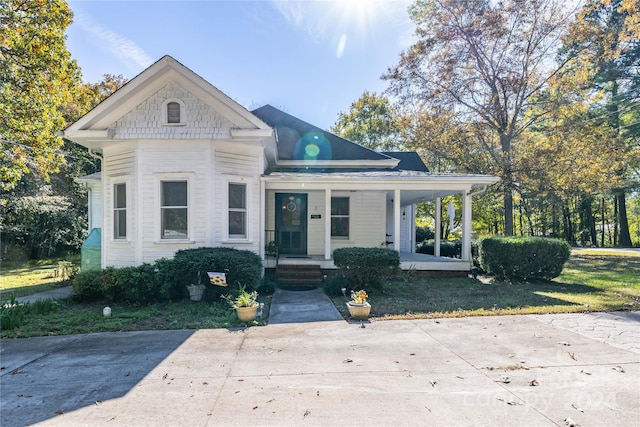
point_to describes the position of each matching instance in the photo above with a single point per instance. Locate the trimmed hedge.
(367, 266)
(523, 258)
(168, 278)
(241, 267)
(448, 249)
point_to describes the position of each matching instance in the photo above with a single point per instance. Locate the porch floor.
(408, 261)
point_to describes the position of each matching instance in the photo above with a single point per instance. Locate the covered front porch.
(408, 261)
(381, 213)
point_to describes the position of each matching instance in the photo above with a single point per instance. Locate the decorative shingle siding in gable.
(146, 120)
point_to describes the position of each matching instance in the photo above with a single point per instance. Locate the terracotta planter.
(247, 314)
(196, 292)
(359, 311)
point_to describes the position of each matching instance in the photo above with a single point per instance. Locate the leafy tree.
(47, 217)
(481, 63)
(371, 121)
(603, 47)
(37, 77)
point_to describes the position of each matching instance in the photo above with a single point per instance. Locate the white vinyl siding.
(118, 167)
(241, 166)
(367, 219)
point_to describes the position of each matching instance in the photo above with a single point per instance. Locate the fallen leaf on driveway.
(307, 412)
(564, 343)
(572, 355)
(347, 361)
(570, 423)
(576, 408)
(60, 412)
(533, 383)
(619, 369)
(504, 379)
(433, 383)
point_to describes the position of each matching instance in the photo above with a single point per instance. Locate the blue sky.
(311, 59)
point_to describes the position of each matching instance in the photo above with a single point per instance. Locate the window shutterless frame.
(237, 210)
(120, 211)
(174, 210)
(340, 217)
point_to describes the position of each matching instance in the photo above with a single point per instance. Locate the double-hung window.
(237, 211)
(120, 211)
(340, 217)
(174, 210)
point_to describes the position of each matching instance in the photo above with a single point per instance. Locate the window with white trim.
(237, 197)
(340, 217)
(174, 210)
(120, 211)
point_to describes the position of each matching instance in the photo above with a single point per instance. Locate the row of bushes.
(166, 279)
(511, 258)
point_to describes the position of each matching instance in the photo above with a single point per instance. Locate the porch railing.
(271, 246)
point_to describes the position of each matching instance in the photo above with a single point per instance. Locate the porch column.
(327, 224)
(263, 222)
(436, 237)
(413, 229)
(466, 226)
(396, 220)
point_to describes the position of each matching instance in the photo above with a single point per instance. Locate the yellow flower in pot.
(244, 303)
(358, 306)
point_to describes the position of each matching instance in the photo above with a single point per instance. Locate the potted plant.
(196, 291)
(358, 306)
(245, 304)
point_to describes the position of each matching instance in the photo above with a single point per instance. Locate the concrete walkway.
(58, 293)
(302, 307)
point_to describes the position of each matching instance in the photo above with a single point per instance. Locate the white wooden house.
(185, 166)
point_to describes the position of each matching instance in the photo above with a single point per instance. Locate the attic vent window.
(173, 113)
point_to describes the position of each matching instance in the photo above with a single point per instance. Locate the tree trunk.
(625, 234)
(604, 223)
(508, 212)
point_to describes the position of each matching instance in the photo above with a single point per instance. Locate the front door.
(291, 223)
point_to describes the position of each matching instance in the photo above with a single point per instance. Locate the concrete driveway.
(515, 371)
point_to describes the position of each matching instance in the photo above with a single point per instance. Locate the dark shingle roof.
(295, 135)
(409, 161)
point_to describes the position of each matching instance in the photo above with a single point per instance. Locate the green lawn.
(591, 281)
(24, 278)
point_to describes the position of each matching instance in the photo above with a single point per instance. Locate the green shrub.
(423, 233)
(447, 248)
(165, 280)
(87, 286)
(334, 283)
(44, 306)
(268, 284)
(523, 258)
(12, 314)
(367, 266)
(241, 266)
